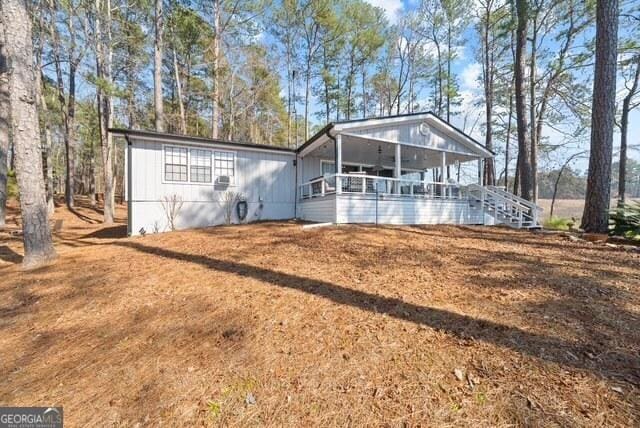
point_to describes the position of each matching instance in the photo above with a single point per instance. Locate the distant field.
(563, 208)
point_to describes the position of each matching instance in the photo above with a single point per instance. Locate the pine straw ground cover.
(270, 325)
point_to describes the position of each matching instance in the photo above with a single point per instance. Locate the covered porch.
(398, 170)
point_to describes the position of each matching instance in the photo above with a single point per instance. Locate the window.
(195, 165)
(175, 164)
(224, 163)
(328, 168)
(200, 166)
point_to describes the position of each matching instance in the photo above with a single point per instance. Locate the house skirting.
(389, 209)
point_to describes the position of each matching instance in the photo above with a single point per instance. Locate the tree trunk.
(104, 58)
(448, 94)
(157, 64)
(44, 114)
(489, 167)
(596, 208)
(289, 81)
(4, 125)
(70, 141)
(624, 130)
(48, 143)
(67, 107)
(215, 97)
(176, 71)
(532, 111)
(508, 142)
(307, 92)
(38, 245)
(364, 92)
(524, 144)
(439, 78)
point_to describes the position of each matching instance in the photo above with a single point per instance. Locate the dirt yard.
(270, 325)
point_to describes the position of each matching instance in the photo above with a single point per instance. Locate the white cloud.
(460, 52)
(392, 8)
(470, 118)
(470, 77)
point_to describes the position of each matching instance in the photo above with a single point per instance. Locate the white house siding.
(321, 210)
(399, 210)
(410, 133)
(265, 178)
(310, 168)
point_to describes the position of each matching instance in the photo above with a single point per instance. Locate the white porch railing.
(371, 184)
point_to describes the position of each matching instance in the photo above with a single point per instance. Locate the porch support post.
(338, 163)
(480, 172)
(398, 170)
(443, 179)
(425, 182)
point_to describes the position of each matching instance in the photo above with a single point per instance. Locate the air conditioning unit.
(224, 179)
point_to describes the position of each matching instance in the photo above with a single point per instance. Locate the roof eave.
(123, 132)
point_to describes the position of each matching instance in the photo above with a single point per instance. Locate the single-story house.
(388, 170)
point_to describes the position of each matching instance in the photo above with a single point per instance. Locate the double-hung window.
(175, 164)
(200, 166)
(224, 164)
(196, 165)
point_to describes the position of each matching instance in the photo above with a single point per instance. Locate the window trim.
(211, 151)
(190, 181)
(164, 164)
(214, 173)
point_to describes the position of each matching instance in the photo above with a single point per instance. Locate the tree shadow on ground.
(9, 256)
(84, 218)
(614, 365)
(113, 232)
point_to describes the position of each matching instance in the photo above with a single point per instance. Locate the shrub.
(558, 223)
(625, 221)
(229, 201)
(172, 206)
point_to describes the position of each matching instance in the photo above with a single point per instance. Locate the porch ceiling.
(364, 150)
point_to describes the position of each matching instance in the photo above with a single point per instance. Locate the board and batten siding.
(265, 178)
(409, 133)
(310, 168)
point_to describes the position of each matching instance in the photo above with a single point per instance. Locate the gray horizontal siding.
(322, 210)
(362, 209)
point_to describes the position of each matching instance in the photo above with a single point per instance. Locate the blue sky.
(468, 70)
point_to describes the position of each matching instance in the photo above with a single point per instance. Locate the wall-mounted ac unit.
(224, 179)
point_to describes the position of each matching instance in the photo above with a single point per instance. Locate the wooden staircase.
(505, 207)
